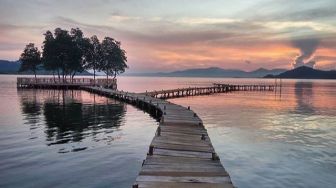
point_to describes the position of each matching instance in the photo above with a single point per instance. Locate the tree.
(108, 50)
(66, 52)
(49, 57)
(114, 58)
(121, 59)
(80, 52)
(94, 56)
(30, 58)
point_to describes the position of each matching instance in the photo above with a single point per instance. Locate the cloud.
(307, 48)
(296, 10)
(248, 62)
(204, 21)
(164, 36)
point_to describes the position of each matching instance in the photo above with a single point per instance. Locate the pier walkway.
(216, 88)
(181, 153)
(66, 83)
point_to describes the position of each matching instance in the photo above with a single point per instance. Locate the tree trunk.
(59, 77)
(73, 75)
(94, 77)
(63, 75)
(107, 82)
(35, 76)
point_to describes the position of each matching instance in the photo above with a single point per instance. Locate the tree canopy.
(30, 58)
(67, 53)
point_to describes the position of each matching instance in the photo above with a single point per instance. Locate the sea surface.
(52, 138)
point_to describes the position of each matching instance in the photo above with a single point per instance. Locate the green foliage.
(30, 58)
(94, 55)
(68, 53)
(114, 58)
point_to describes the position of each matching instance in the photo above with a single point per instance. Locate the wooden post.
(143, 162)
(188, 107)
(151, 150)
(215, 156)
(159, 131)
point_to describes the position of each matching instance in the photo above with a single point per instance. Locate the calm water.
(264, 139)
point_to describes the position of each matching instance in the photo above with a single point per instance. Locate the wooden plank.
(184, 160)
(180, 147)
(167, 152)
(185, 143)
(182, 185)
(185, 169)
(185, 179)
(183, 139)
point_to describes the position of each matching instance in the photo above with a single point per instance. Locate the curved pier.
(181, 153)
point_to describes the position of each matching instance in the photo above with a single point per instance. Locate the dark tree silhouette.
(67, 53)
(121, 59)
(80, 52)
(94, 56)
(114, 58)
(49, 56)
(30, 58)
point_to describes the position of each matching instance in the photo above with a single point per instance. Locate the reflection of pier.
(216, 88)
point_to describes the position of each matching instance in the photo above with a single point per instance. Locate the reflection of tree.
(30, 106)
(67, 117)
(73, 121)
(303, 95)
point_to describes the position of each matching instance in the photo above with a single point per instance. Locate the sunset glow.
(174, 35)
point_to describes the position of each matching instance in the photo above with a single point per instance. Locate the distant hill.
(305, 73)
(9, 67)
(213, 72)
(12, 67)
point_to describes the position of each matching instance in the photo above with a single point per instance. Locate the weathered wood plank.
(183, 185)
(174, 153)
(185, 179)
(180, 147)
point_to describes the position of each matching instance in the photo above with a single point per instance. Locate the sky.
(172, 35)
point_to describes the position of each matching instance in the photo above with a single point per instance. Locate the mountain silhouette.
(305, 72)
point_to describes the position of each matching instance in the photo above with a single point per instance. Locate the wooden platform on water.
(181, 153)
(216, 88)
(55, 83)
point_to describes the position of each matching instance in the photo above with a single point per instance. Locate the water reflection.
(303, 96)
(72, 116)
(32, 110)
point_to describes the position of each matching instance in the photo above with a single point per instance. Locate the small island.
(305, 72)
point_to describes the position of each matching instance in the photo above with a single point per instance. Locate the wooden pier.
(181, 153)
(216, 88)
(55, 83)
